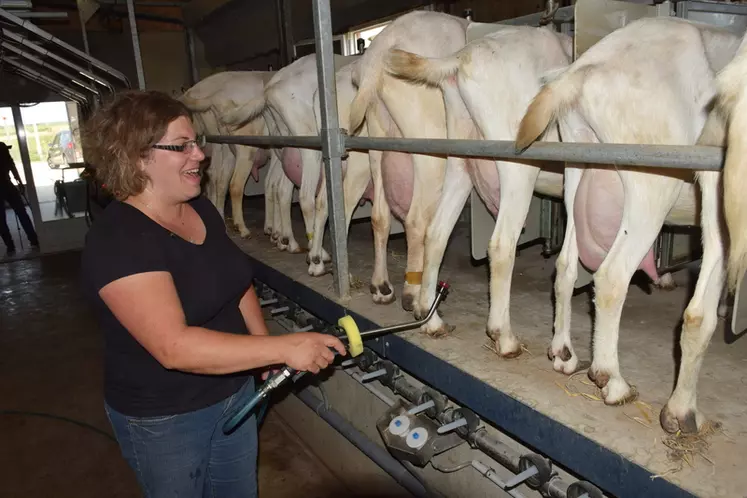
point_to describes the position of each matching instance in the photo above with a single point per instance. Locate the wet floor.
(55, 440)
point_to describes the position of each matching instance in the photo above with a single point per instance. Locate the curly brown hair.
(121, 133)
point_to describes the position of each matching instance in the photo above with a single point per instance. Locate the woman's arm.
(252, 313)
(147, 305)
(255, 321)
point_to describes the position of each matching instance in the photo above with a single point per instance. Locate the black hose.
(60, 418)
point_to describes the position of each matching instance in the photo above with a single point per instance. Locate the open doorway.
(53, 138)
(46, 151)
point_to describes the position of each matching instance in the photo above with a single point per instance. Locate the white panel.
(477, 30)
(364, 212)
(595, 19)
(482, 224)
(739, 313)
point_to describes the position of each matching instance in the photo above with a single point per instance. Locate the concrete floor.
(23, 249)
(52, 365)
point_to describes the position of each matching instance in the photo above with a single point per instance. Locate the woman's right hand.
(309, 351)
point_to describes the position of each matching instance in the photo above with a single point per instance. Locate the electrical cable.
(448, 470)
(60, 418)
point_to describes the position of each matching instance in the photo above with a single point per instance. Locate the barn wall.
(244, 35)
(165, 62)
(240, 31)
(164, 55)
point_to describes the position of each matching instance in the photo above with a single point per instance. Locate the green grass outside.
(46, 133)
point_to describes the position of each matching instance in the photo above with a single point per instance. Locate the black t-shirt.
(210, 280)
(6, 166)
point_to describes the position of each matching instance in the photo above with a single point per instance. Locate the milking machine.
(347, 331)
(421, 423)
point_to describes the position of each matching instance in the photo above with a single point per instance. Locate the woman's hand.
(266, 374)
(309, 351)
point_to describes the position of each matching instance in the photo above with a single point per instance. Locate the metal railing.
(333, 142)
(695, 157)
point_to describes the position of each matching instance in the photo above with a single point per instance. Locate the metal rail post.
(28, 172)
(84, 31)
(332, 146)
(194, 72)
(136, 45)
(288, 29)
(282, 54)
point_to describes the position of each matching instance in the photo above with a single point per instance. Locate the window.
(307, 47)
(367, 35)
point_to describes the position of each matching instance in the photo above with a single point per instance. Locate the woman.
(174, 297)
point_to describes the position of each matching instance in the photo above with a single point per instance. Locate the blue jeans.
(187, 455)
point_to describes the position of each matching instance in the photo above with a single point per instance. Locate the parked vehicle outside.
(61, 150)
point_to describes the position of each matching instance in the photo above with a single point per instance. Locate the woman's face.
(175, 175)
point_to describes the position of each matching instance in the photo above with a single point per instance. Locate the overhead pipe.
(42, 15)
(38, 75)
(66, 46)
(15, 4)
(55, 69)
(46, 53)
(136, 45)
(54, 87)
(109, 9)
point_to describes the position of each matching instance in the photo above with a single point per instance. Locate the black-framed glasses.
(187, 147)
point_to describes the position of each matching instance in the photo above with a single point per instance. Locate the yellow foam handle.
(355, 343)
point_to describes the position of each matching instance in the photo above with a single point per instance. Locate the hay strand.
(685, 448)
